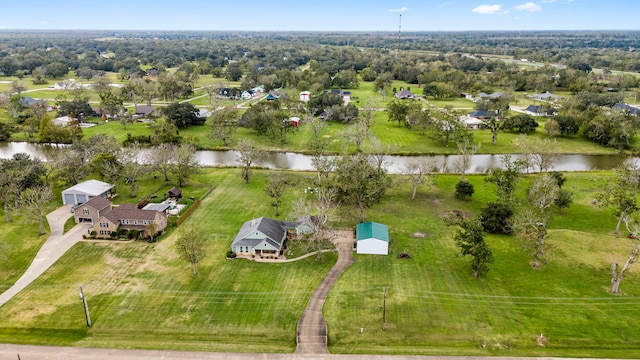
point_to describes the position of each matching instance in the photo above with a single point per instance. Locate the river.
(396, 164)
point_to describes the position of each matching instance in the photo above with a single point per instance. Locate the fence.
(193, 207)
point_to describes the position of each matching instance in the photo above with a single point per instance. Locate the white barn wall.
(372, 246)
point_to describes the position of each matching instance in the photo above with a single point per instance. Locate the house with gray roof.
(261, 237)
(546, 96)
(628, 109)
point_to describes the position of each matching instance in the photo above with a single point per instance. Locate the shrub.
(114, 234)
(464, 190)
(404, 255)
(231, 254)
(495, 218)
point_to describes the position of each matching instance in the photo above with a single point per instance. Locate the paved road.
(312, 329)
(53, 248)
(28, 352)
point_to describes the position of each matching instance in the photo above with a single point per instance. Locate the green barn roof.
(372, 229)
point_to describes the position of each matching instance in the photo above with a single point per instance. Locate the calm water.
(395, 164)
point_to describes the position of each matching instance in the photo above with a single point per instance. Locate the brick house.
(128, 217)
(92, 210)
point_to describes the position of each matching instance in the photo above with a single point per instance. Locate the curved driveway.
(53, 248)
(312, 329)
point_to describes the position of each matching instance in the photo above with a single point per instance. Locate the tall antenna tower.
(400, 26)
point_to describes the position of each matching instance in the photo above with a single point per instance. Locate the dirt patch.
(418, 235)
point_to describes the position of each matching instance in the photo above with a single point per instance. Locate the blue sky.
(322, 15)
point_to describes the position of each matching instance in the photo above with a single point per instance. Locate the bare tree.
(356, 134)
(467, 150)
(378, 153)
(532, 219)
(224, 123)
(247, 156)
(324, 166)
(133, 166)
(34, 200)
(152, 230)
(191, 247)
(162, 157)
(185, 163)
(621, 192)
(417, 169)
(317, 125)
(316, 214)
(616, 276)
(541, 154)
(276, 186)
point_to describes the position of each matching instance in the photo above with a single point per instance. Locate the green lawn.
(433, 305)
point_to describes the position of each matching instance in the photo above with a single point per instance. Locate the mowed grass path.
(142, 296)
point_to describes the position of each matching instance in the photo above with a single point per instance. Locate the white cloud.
(402, 9)
(547, 1)
(529, 6)
(487, 9)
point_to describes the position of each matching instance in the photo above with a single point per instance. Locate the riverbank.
(396, 164)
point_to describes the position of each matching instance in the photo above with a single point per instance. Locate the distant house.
(128, 217)
(372, 238)
(152, 72)
(84, 191)
(626, 108)
(546, 96)
(305, 96)
(404, 94)
(66, 85)
(260, 237)
(470, 122)
(272, 97)
(481, 114)
(247, 94)
(494, 96)
(92, 210)
(537, 110)
(466, 96)
(143, 111)
(344, 95)
(63, 121)
(258, 89)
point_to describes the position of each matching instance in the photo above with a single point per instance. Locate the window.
(135, 222)
(85, 211)
(104, 224)
(146, 222)
(105, 232)
(125, 221)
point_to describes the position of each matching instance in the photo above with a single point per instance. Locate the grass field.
(433, 304)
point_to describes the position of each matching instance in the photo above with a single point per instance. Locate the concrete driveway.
(53, 248)
(311, 336)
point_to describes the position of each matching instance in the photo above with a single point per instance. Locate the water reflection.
(396, 164)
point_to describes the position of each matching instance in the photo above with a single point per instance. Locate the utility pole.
(86, 307)
(384, 307)
(400, 27)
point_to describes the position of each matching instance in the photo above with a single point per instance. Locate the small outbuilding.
(174, 193)
(84, 191)
(372, 238)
